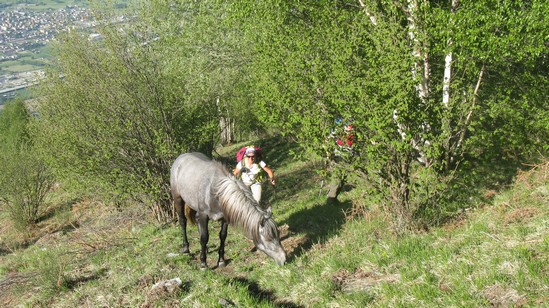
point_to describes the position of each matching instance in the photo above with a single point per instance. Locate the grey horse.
(202, 189)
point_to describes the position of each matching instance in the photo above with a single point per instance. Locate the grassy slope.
(494, 255)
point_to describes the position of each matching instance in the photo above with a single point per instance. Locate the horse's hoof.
(221, 264)
(203, 267)
(185, 250)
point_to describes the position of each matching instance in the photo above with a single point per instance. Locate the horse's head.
(268, 241)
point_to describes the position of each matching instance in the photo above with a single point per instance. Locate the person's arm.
(270, 173)
(236, 170)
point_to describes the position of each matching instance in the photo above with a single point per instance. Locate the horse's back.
(195, 158)
(186, 160)
(191, 178)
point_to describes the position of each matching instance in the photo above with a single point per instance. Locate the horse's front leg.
(222, 237)
(179, 209)
(204, 237)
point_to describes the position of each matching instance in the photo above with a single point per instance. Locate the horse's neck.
(239, 207)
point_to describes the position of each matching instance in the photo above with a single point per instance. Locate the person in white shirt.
(251, 172)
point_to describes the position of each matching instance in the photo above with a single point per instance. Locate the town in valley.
(25, 34)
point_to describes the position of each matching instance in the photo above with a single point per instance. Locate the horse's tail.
(190, 214)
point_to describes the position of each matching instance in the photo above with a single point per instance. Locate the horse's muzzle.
(278, 255)
(280, 259)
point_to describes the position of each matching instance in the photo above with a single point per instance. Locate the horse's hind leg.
(204, 237)
(179, 209)
(222, 237)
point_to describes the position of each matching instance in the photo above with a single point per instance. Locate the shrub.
(24, 178)
(24, 183)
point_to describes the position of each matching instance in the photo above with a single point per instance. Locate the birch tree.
(417, 77)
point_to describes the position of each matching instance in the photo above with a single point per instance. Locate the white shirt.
(250, 174)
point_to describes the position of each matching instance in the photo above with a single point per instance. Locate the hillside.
(88, 254)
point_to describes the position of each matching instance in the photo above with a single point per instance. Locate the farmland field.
(41, 5)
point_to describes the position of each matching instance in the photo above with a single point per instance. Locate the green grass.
(16, 67)
(495, 255)
(28, 61)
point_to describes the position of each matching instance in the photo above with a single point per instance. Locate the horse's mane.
(240, 208)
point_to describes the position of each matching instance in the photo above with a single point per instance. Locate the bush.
(24, 183)
(112, 121)
(24, 178)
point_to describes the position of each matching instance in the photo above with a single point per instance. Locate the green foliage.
(24, 179)
(206, 52)
(52, 266)
(317, 61)
(113, 119)
(24, 185)
(343, 67)
(13, 122)
(118, 110)
(506, 40)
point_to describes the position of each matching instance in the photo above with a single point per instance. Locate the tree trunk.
(422, 56)
(471, 109)
(422, 72)
(225, 124)
(446, 82)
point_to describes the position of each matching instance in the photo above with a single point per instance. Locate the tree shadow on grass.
(318, 224)
(74, 282)
(4, 251)
(263, 296)
(288, 186)
(62, 207)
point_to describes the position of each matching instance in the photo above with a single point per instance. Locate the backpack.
(258, 153)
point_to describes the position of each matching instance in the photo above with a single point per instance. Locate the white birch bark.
(422, 57)
(447, 77)
(448, 63)
(373, 19)
(421, 71)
